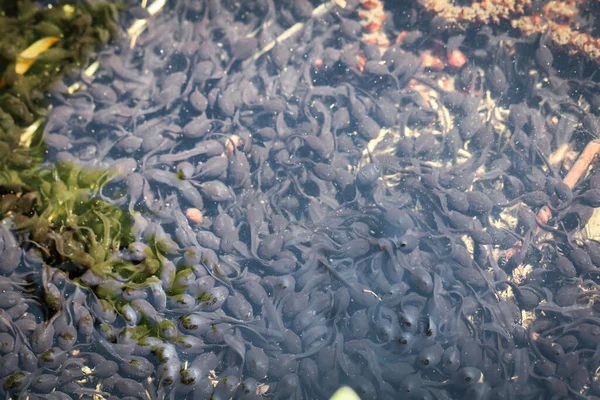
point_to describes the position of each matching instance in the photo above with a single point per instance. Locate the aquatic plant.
(68, 221)
(54, 207)
(79, 27)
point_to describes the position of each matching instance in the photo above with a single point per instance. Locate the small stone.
(194, 215)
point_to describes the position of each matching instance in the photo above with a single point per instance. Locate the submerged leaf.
(29, 132)
(29, 55)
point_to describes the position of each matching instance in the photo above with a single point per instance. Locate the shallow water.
(368, 215)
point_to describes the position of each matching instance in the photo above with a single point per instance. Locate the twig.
(140, 25)
(578, 170)
(559, 155)
(294, 29)
(583, 162)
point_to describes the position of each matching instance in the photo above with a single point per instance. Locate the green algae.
(56, 207)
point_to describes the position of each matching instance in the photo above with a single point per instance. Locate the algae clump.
(55, 207)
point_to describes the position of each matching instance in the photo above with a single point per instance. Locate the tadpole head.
(466, 377)
(368, 175)
(408, 242)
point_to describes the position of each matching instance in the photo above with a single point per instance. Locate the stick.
(579, 169)
(317, 12)
(140, 25)
(583, 162)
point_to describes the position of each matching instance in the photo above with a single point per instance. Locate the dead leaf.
(262, 388)
(29, 55)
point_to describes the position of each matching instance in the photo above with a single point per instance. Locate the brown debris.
(557, 18)
(561, 34)
(377, 38)
(456, 59)
(372, 26)
(579, 170)
(369, 4)
(482, 12)
(431, 62)
(371, 16)
(560, 11)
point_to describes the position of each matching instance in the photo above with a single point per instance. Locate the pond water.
(395, 197)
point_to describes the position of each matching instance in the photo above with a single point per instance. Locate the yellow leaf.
(155, 7)
(73, 88)
(140, 25)
(27, 135)
(28, 56)
(91, 70)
